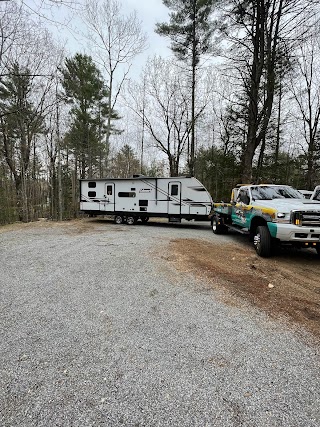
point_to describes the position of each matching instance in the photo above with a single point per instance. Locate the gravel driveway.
(99, 329)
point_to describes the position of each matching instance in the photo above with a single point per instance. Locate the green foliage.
(190, 28)
(156, 169)
(289, 170)
(218, 171)
(21, 120)
(8, 211)
(125, 163)
(85, 90)
(82, 83)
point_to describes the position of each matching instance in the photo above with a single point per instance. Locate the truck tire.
(118, 219)
(262, 241)
(131, 220)
(217, 226)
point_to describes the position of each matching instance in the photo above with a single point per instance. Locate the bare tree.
(115, 39)
(305, 88)
(162, 103)
(28, 67)
(263, 31)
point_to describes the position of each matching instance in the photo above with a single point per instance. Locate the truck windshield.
(316, 195)
(276, 192)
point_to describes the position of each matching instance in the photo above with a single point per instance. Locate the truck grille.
(306, 218)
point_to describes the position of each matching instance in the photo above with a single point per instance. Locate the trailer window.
(174, 190)
(92, 184)
(127, 194)
(109, 190)
(92, 194)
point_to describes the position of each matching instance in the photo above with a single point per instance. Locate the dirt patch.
(71, 227)
(75, 227)
(287, 285)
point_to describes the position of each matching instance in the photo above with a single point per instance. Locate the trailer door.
(108, 202)
(174, 198)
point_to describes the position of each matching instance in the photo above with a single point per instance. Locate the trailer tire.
(217, 225)
(131, 220)
(262, 241)
(144, 219)
(118, 219)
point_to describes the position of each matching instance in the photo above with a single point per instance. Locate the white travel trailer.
(141, 197)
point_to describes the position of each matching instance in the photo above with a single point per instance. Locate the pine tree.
(125, 163)
(21, 120)
(84, 89)
(190, 30)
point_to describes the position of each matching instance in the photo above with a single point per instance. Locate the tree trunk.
(173, 164)
(193, 93)
(265, 43)
(260, 161)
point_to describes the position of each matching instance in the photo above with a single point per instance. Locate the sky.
(148, 12)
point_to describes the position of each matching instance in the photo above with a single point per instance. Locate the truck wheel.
(217, 226)
(118, 219)
(131, 220)
(262, 241)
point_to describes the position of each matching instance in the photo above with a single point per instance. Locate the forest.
(236, 100)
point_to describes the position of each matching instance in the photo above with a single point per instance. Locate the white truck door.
(174, 198)
(108, 204)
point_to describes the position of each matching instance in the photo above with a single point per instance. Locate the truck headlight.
(282, 217)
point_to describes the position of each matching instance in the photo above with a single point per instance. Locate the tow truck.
(270, 215)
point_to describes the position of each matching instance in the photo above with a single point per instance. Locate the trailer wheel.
(262, 241)
(217, 226)
(118, 219)
(131, 220)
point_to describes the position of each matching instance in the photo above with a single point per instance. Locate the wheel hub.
(257, 240)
